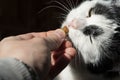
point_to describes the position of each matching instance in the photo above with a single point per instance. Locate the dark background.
(23, 16)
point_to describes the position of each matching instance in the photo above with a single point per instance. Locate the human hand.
(41, 51)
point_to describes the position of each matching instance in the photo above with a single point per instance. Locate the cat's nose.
(73, 23)
(93, 30)
(77, 23)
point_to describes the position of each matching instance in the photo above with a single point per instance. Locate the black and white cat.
(94, 29)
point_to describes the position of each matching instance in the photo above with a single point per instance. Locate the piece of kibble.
(65, 29)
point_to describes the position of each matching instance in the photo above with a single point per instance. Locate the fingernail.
(60, 33)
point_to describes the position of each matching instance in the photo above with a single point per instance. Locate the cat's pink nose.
(73, 23)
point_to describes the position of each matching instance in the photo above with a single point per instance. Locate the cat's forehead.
(82, 10)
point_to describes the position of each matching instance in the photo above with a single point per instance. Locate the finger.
(32, 35)
(61, 50)
(70, 53)
(55, 56)
(55, 39)
(62, 62)
(25, 36)
(41, 34)
(68, 44)
(8, 39)
(64, 45)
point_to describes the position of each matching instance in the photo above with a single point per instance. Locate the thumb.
(55, 38)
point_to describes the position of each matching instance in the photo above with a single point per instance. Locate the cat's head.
(94, 31)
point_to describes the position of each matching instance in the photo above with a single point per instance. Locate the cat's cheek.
(73, 33)
(75, 36)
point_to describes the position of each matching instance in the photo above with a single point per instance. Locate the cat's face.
(92, 28)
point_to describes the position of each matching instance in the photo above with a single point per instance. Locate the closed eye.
(90, 12)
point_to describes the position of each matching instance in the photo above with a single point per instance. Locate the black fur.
(107, 63)
(93, 30)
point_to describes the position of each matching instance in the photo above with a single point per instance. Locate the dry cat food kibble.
(65, 29)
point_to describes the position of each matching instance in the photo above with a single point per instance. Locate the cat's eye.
(90, 12)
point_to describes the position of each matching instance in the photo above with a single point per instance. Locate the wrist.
(14, 68)
(33, 74)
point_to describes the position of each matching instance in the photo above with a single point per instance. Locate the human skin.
(48, 53)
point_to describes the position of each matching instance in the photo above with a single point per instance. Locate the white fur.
(82, 42)
(89, 51)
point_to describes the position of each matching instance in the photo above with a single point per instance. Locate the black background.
(23, 16)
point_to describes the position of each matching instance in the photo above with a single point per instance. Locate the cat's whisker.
(61, 4)
(69, 2)
(61, 18)
(53, 6)
(67, 5)
(91, 39)
(73, 3)
(76, 2)
(63, 15)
